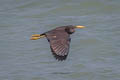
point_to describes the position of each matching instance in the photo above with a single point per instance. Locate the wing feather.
(59, 44)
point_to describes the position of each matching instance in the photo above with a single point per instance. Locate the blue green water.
(94, 52)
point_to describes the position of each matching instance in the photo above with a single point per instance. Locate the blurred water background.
(94, 52)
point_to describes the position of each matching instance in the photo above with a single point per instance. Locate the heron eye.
(72, 30)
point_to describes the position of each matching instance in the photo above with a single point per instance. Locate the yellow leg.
(36, 36)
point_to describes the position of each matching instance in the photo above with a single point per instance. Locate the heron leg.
(37, 36)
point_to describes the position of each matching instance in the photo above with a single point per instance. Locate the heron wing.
(59, 44)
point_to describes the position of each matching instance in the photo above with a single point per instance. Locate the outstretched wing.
(59, 43)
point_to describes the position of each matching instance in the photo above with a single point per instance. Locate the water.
(94, 52)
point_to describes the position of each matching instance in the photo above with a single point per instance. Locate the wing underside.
(59, 44)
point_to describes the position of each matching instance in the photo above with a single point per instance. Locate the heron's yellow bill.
(79, 26)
